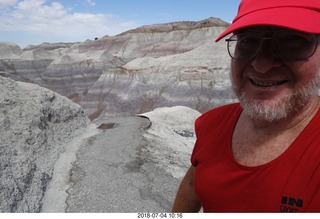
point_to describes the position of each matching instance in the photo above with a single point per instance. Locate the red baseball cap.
(301, 15)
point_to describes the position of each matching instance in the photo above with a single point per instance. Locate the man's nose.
(265, 60)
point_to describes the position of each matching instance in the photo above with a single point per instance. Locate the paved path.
(113, 172)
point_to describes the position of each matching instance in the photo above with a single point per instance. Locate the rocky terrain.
(134, 72)
(106, 125)
(53, 159)
(36, 127)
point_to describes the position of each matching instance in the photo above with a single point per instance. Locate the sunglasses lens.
(294, 46)
(244, 46)
(287, 45)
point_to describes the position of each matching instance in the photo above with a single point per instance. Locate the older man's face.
(272, 89)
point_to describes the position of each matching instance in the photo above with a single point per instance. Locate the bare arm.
(186, 200)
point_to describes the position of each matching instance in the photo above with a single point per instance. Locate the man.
(262, 154)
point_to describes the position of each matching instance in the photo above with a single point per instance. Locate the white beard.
(276, 110)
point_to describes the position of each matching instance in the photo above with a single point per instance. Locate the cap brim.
(301, 19)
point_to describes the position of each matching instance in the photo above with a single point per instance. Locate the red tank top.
(289, 183)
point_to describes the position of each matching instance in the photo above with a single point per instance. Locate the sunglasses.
(289, 46)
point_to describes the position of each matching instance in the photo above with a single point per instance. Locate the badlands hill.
(135, 72)
(53, 159)
(110, 128)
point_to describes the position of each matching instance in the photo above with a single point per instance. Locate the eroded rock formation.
(134, 72)
(36, 127)
(54, 159)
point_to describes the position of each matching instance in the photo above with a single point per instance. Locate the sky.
(32, 22)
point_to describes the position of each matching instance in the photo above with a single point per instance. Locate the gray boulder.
(36, 127)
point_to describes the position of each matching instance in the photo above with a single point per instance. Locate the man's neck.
(265, 141)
